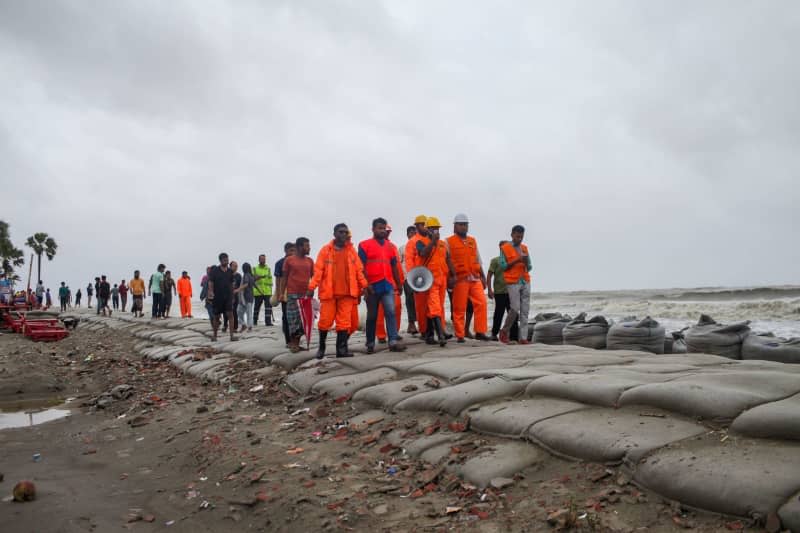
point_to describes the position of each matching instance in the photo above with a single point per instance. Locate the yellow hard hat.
(433, 222)
(421, 219)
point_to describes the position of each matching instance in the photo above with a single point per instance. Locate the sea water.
(769, 309)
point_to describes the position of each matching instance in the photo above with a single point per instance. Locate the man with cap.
(412, 260)
(435, 256)
(470, 282)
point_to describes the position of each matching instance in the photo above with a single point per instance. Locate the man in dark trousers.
(288, 249)
(220, 293)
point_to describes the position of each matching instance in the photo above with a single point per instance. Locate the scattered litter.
(301, 411)
(295, 451)
(257, 388)
(24, 491)
(37, 457)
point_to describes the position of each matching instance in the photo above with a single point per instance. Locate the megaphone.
(419, 279)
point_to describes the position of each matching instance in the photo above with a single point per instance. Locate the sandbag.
(338, 386)
(611, 435)
(513, 417)
(777, 420)
(645, 336)
(456, 398)
(718, 339)
(768, 347)
(548, 328)
(590, 333)
(502, 460)
(675, 343)
(718, 396)
(754, 477)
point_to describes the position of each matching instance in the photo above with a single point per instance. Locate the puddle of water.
(30, 418)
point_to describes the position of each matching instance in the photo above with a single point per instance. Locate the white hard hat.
(461, 218)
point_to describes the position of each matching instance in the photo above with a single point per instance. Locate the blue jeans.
(386, 298)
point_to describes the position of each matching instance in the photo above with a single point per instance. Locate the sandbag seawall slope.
(748, 478)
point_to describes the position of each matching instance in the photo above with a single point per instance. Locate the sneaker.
(370, 348)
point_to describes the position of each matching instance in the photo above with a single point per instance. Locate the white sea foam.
(775, 309)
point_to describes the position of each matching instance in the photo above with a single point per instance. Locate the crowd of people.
(342, 276)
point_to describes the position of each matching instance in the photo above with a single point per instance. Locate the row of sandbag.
(734, 341)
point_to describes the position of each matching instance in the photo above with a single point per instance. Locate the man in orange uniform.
(185, 294)
(380, 327)
(470, 279)
(382, 270)
(413, 259)
(338, 274)
(516, 265)
(436, 257)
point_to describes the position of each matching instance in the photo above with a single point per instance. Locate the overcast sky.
(642, 144)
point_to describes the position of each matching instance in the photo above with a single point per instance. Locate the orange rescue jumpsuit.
(413, 259)
(437, 263)
(466, 260)
(338, 274)
(184, 287)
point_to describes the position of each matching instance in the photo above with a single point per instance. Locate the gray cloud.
(642, 144)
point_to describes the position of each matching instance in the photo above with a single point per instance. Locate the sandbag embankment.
(644, 336)
(717, 339)
(768, 347)
(590, 333)
(548, 328)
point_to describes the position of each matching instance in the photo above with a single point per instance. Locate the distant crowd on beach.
(421, 273)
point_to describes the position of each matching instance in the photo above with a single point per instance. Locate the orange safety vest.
(464, 254)
(324, 272)
(379, 260)
(520, 270)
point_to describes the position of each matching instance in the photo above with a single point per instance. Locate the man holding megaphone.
(435, 256)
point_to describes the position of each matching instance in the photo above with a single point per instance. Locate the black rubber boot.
(429, 333)
(323, 335)
(341, 344)
(437, 323)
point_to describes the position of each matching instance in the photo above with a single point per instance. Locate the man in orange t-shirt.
(136, 286)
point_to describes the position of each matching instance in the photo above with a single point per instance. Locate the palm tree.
(42, 243)
(10, 255)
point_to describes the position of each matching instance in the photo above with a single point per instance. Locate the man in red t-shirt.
(297, 272)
